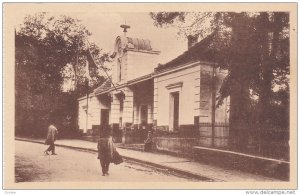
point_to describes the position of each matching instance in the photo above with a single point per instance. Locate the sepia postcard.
(150, 96)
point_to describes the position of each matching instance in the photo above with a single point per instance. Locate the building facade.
(176, 100)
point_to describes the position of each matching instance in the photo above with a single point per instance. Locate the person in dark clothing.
(51, 137)
(148, 142)
(105, 152)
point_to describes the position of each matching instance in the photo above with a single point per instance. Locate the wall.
(82, 115)
(195, 85)
(94, 107)
(115, 110)
(127, 116)
(188, 97)
(254, 164)
(140, 64)
(176, 145)
(116, 69)
(134, 64)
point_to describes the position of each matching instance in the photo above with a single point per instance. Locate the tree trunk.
(266, 68)
(269, 35)
(239, 92)
(238, 120)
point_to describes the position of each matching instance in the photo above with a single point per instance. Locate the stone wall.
(250, 163)
(86, 124)
(175, 145)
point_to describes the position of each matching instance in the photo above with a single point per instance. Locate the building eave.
(201, 51)
(85, 96)
(143, 51)
(140, 79)
(156, 74)
(128, 83)
(102, 92)
(182, 67)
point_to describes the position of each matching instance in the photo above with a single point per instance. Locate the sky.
(105, 27)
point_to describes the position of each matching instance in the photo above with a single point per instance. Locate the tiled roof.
(200, 51)
(105, 86)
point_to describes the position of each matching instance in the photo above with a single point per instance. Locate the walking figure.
(51, 137)
(105, 152)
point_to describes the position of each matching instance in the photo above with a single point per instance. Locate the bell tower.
(133, 57)
(120, 57)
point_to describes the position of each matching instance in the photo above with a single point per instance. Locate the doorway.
(144, 114)
(104, 119)
(174, 111)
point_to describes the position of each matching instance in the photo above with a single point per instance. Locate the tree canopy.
(254, 48)
(44, 47)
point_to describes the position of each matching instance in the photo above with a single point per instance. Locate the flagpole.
(87, 81)
(75, 69)
(87, 97)
(100, 66)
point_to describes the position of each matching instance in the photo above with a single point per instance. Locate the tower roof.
(138, 44)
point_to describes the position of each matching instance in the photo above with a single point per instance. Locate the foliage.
(254, 48)
(45, 47)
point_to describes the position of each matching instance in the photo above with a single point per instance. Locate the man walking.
(51, 137)
(105, 152)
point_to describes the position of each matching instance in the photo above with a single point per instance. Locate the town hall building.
(176, 101)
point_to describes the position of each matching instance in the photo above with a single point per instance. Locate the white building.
(175, 100)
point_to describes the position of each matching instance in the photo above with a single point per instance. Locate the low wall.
(254, 164)
(176, 145)
(185, 145)
(221, 134)
(279, 169)
(129, 139)
(135, 136)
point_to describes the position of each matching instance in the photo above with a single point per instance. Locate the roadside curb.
(180, 171)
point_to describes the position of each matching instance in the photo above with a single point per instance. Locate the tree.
(45, 45)
(254, 48)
